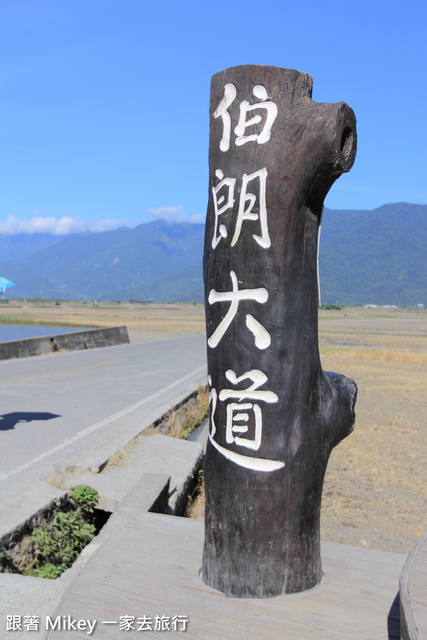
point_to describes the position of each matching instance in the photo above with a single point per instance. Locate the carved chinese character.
(222, 112)
(267, 107)
(261, 335)
(223, 199)
(251, 393)
(235, 432)
(246, 208)
(222, 203)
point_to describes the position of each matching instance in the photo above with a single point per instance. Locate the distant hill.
(23, 245)
(154, 261)
(377, 256)
(374, 256)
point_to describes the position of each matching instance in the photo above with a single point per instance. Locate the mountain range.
(376, 256)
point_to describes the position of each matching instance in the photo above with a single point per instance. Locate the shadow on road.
(393, 620)
(9, 420)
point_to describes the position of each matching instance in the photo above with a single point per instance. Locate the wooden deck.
(413, 593)
(150, 567)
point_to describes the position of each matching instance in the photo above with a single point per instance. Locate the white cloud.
(38, 223)
(109, 224)
(56, 226)
(174, 214)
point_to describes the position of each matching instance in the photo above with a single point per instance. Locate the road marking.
(102, 423)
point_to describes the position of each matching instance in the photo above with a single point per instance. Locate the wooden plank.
(413, 593)
(151, 567)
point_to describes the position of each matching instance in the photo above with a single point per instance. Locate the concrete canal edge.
(76, 341)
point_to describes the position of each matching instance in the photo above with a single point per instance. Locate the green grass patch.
(55, 544)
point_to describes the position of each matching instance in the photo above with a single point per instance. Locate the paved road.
(78, 408)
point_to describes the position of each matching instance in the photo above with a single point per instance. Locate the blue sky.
(104, 103)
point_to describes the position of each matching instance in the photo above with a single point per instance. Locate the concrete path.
(73, 411)
(77, 409)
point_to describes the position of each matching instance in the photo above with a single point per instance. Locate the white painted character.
(246, 208)
(252, 206)
(222, 204)
(237, 422)
(266, 106)
(238, 419)
(270, 108)
(221, 111)
(234, 297)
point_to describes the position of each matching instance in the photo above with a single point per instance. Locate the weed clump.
(53, 546)
(196, 500)
(180, 422)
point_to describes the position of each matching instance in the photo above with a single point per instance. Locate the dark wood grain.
(263, 486)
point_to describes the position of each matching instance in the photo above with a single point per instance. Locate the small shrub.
(56, 543)
(49, 571)
(5, 561)
(85, 498)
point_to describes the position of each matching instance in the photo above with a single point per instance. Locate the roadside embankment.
(78, 341)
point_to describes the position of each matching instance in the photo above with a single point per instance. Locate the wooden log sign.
(274, 414)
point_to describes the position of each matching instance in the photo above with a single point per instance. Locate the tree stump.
(274, 414)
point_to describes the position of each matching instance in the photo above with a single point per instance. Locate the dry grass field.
(376, 484)
(144, 321)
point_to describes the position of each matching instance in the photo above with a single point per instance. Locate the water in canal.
(22, 331)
